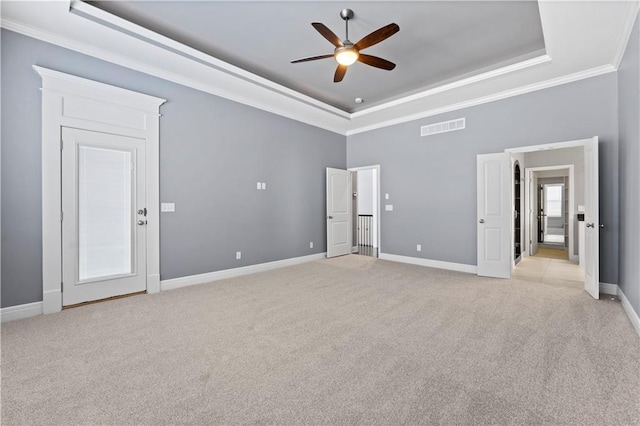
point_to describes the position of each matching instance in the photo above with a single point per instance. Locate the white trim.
(627, 27)
(547, 146)
(105, 18)
(455, 84)
(594, 72)
(572, 198)
(275, 106)
(236, 272)
(59, 82)
(612, 289)
(459, 267)
(631, 313)
(58, 88)
(17, 312)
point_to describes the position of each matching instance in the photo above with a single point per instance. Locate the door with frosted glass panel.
(104, 216)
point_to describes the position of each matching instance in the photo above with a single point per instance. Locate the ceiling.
(449, 54)
(438, 41)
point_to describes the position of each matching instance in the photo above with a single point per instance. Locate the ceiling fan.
(347, 53)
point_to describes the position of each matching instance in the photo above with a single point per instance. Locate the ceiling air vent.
(442, 127)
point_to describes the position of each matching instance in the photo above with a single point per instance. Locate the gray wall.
(629, 111)
(212, 153)
(432, 180)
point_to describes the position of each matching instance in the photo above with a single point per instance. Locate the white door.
(591, 219)
(103, 210)
(338, 212)
(494, 215)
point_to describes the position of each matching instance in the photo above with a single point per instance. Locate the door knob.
(590, 225)
(602, 225)
(142, 222)
(329, 217)
(481, 221)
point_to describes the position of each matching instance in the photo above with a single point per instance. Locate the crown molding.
(80, 47)
(192, 68)
(594, 72)
(455, 84)
(627, 27)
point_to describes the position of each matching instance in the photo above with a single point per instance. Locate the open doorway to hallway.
(550, 266)
(366, 217)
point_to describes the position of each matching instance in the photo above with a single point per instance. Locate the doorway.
(495, 212)
(104, 223)
(93, 111)
(366, 207)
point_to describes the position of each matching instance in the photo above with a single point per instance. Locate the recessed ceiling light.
(359, 100)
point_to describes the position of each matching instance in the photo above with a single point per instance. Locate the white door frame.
(584, 143)
(572, 187)
(375, 167)
(71, 101)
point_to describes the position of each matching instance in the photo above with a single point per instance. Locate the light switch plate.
(419, 247)
(264, 185)
(386, 196)
(388, 207)
(238, 255)
(168, 207)
(259, 185)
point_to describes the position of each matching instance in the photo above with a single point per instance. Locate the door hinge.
(61, 144)
(61, 215)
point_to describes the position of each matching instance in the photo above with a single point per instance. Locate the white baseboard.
(17, 312)
(633, 315)
(606, 288)
(236, 272)
(460, 267)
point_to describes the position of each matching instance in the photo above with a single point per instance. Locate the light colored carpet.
(352, 340)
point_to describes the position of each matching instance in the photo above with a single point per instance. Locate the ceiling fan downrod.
(346, 14)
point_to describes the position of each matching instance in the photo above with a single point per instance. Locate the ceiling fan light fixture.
(346, 55)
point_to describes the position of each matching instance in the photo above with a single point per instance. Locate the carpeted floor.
(351, 340)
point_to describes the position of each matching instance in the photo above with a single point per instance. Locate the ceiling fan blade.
(374, 61)
(327, 33)
(312, 58)
(340, 72)
(377, 36)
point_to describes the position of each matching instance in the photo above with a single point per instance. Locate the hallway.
(550, 266)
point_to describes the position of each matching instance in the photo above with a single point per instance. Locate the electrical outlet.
(311, 244)
(238, 255)
(167, 207)
(419, 247)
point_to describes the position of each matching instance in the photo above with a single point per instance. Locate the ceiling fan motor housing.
(346, 14)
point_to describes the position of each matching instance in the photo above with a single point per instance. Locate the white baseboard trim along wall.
(460, 267)
(21, 311)
(606, 288)
(27, 310)
(236, 272)
(633, 316)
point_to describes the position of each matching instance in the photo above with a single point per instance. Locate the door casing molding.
(71, 101)
(572, 188)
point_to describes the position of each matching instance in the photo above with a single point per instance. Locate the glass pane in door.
(105, 212)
